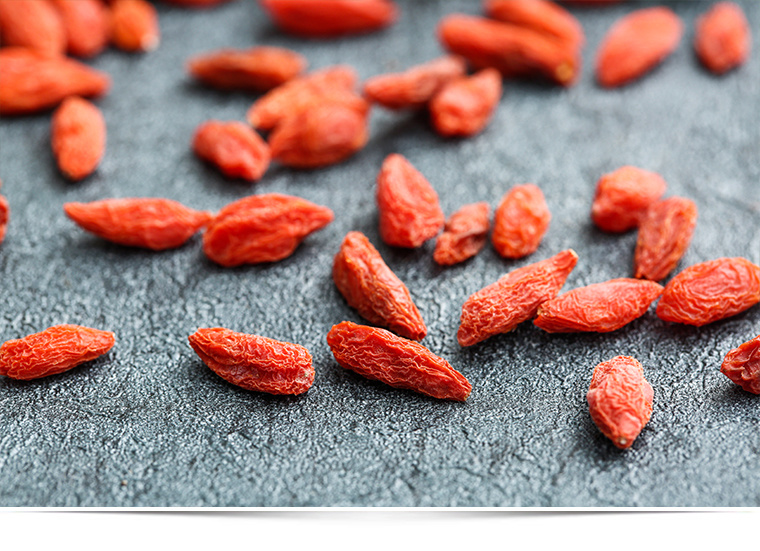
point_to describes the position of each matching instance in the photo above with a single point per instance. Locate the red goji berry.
(5, 211)
(78, 137)
(465, 105)
(330, 18)
(664, 235)
(521, 221)
(262, 228)
(371, 287)
(539, 15)
(234, 148)
(196, 3)
(155, 224)
(623, 197)
(723, 39)
(86, 25)
(52, 351)
(742, 365)
(33, 24)
(600, 307)
(380, 355)
(465, 234)
(514, 298)
(620, 400)
(710, 291)
(253, 362)
(134, 25)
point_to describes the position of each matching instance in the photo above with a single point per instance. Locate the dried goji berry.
(515, 51)
(413, 88)
(330, 18)
(256, 69)
(664, 235)
(380, 355)
(371, 287)
(600, 307)
(623, 197)
(521, 221)
(155, 224)
(32, 81)
(86, 24)
(742, 365)
(636, 44)
(514, 298)
(253, 362)
(33, 24)
(54, 350)
(196, 3)
(134, 25)
(409, 210)
(78, 137)
(262, 228)
(465, 105)
(233, 147)
(5, 211)
(710, 291)
(620, 400)
(465, 234)
(723, 39)
(539, 15)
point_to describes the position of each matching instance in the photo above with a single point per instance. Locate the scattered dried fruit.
(620, 400)
(330, 18)
(233, 147)
(134, 25)
(514, 298)
(78, 137)
(723, 38)
(33, 24)
(710, 291)
(465, 234)
(52, 351)
(465, 105)
(380, 355)
(541, 16)
(5, 212)
(521, 221)
(253, 362)
(371, 287)
(742, 365)
(87, 26)
(623, 197)
(262, 228)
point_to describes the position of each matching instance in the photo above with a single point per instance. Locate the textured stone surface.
(150, 425)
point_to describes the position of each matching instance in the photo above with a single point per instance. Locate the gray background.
(149, 425)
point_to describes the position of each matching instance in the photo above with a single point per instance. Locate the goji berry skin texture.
(623, 197)
(710, 291)
(465, 106)
(262, 228)
(541, 16)
(234, 148)
(464, 236)
(32, 24)
(636, 44)
(134, 26)
(156, 224)
(415, 87)
(52, 351)
(33, 82)
(620, 400)
(600, 307)
(723, 38)
(78, 137)
(370, 286)
(380, 355)
(256, 69)
(330, 18)
(742, 365)
(521, 221)
(86, 24)
(664, 235)
(514, 298)
(409, 210)
(253, 362)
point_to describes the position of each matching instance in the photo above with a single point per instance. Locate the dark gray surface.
(150, 425)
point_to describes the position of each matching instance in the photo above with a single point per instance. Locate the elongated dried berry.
(620, 400)
(86, 24)
(623, 197)
(370, 286)
(54, 350)
(33, 82)
(78, 137)
(514, 298)
(233, 147)
(636, 44)
(330, 18)
(541, 16)
(380, 355)
(723, 39)
(521, 221)
(262, 228)
(465, 106)
(742, 365)
(33, 24)
(256, 69)
(409, 210)
(134, 25)
(710, 291)
(465, 234)
(599, 308)
(414, 88)
(253, 362)
(5, 212)
(664, 235)
(155, 224)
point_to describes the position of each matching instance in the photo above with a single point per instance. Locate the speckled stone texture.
(149, 425)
